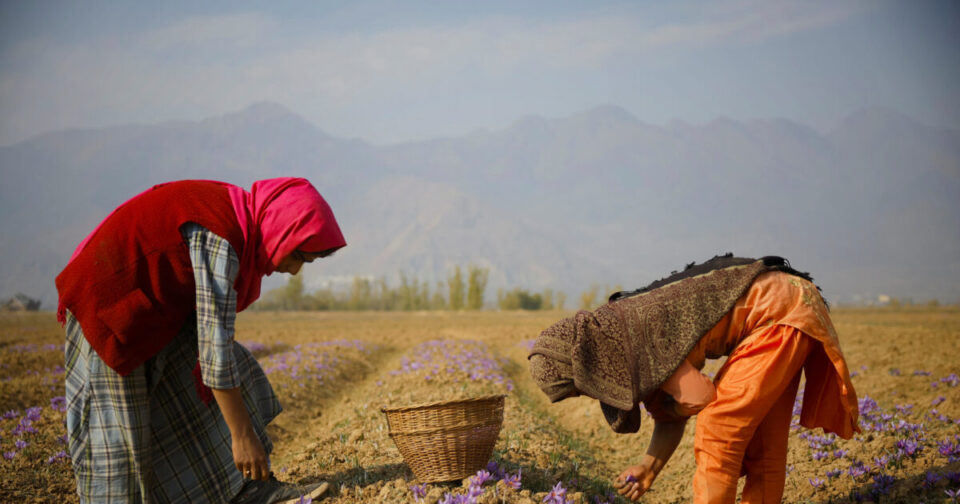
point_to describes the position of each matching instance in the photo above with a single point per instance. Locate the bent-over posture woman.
(162, 404)
(649, 345)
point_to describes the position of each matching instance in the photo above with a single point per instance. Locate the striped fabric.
(146, 437)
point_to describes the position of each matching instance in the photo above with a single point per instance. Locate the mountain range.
(870, 207)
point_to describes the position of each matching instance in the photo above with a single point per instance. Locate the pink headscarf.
(279, 216)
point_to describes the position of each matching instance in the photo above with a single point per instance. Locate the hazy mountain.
(598, 197)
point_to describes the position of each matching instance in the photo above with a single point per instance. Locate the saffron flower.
(481, 477)
(20, 444)
(60, 455)
(930, 479)
(952, 380)
(950, 449)
(418, 491)
(495, 470)
(816, 482)
(857, 470)
(33, 413)
(9, 455)
(59, 403)
(908, 447)
(882, 484)
(557, 495)
(953, 494)
(881, 461)
(513, 480)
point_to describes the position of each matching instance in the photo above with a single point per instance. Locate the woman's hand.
(249, 456)
(635, 481)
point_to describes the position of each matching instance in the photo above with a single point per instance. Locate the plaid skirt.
(147, 437)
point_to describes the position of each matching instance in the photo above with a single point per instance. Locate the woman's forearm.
(234, 411)
(664, 441)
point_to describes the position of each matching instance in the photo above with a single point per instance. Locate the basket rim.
(446, 402)
(450, 429)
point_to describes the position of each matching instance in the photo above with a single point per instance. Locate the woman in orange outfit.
(648, 346)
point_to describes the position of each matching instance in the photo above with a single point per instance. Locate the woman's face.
(294, 261)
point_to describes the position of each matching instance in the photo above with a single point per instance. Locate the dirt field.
(334, 371)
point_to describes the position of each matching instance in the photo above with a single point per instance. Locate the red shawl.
(130, 282)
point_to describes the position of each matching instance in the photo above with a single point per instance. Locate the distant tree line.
(460, 292)
(464, 289)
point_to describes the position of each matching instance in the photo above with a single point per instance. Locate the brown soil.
(334, 371)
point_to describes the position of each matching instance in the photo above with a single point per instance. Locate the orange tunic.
(775, 298)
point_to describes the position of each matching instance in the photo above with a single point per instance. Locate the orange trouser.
(744, 431)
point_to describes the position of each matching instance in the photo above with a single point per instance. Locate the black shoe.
(298, 494)
(273, 491)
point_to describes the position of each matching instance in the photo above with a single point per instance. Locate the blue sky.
(391, 71)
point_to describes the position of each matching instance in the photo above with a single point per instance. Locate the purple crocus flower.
(840, 453)
(953, 494)
(474, 493)
(60, 455)
(881, 461)
(58, 403)
(557, 495)
(950, 449)
(952, 380)
(867, 405)
(908, 447)
(930, 479)
(495, 470)
(816, 482)
(513, 480)
(419, 491)
(11, 414)
(33, 413)
(857, 470)
(20, 444)
(833, 473)
(481, 477)
(937, 401)
(881, 485)
(463, 499)
(9, 455)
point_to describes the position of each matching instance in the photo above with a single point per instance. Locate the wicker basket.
(446, 440)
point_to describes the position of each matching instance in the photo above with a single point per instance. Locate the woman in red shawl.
(162, 404)
(649, 345)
